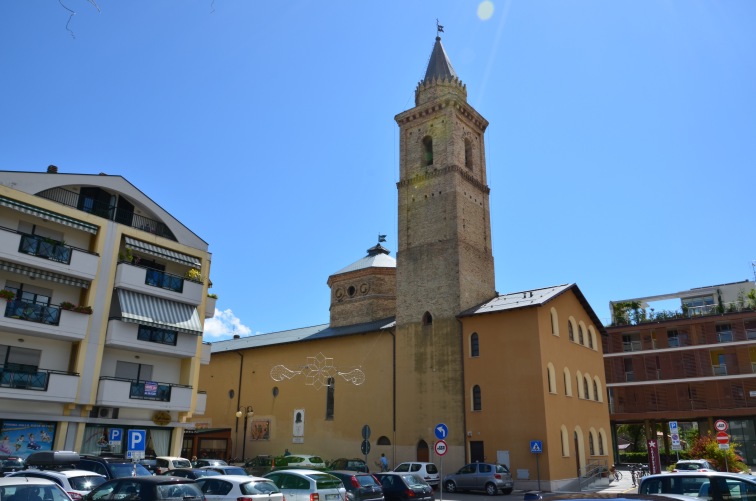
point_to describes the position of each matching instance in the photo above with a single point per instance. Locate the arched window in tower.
(570, 331)
(427, 319)
(581, 334)
(468, 153)
(428, 150)
(477, 402)
(591, 447)
(474, 345)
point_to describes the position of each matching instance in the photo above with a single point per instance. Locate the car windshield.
(181, 463)
(688, 466)
(205, 473)
(500, 468)
(120, 470)
(85, 483)
(179, 491)
(259, 488)
(231, 470)
(49, 492)
(366, 480)
(431, 468)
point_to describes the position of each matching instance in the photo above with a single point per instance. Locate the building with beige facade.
(425, 339)
(103, 301)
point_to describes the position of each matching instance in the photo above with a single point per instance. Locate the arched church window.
(474, 345)
(428, 150)
(427, 318)
(468, 153)
(477, 400)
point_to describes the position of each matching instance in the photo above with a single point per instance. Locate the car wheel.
(506, 491)
(491, 489)
(450, 486)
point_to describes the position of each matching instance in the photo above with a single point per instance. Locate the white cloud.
(224, 325)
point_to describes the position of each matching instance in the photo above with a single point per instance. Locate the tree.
(706, 447)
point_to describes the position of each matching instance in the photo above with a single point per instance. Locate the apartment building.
(687, 356)
(103, 301)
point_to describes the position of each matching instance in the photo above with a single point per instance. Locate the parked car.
(693, 465)
(488, 477)
(165, 463)
(226, 470)
(150, 464)
(199, 463)
(306, 461)
(10, 463)
(706, 484)
(259, 465)
(349, 464)
(239, 488)
(112, 467)
(76, 483)
(308, 485)
(193, 473)
(427, 471)
(359, 486)
(152, 488)
(404, 487)
(18, 489)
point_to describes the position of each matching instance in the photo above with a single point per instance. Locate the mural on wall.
(260, 430)
(21, 438)
(317, 372)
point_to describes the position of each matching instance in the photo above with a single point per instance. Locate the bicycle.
(615, 473)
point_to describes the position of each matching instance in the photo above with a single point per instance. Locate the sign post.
(674, 433)
(723, 439)
(536, 447)
(365, 446)
(440, 447)
(136, 441)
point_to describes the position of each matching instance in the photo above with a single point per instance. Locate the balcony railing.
(724, 337)
(150, 390)
(641, 315)
(719, 370)
(632, 346)
(630, 376)
(32, 312)
(164, 280)
(112, 212)
(26, 377)
(45, 248)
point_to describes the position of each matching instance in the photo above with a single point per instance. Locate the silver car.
(488, 477)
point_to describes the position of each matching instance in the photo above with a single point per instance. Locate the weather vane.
(439, 28)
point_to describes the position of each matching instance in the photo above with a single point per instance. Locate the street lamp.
(247, 412)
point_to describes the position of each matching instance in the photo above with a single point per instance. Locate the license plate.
(332, 497)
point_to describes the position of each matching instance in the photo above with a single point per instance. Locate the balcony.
(50, 322)
(632, 345)
(205, 356)
(108, 211)
(47, 255)
(30, 383)
(125, 335)
(113, 392)
(158, 283)
(630, 376)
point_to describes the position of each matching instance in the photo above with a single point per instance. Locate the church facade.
(425, 339)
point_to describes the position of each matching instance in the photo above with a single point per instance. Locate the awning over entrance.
(157, 312)
(44, 275)
(46, 214)
(162, 252)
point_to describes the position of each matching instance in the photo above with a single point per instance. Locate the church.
(424, 339)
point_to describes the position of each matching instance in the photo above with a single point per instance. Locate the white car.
(308, 485)
(693, 465)
(165, 463)
(239, 487)
(426, 471)
(301, 461)
(76, 483)
(31, 489)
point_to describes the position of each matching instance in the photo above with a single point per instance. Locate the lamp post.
(247, 412)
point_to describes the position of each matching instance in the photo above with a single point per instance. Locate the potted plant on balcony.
(7, 295)
(211, 299)
(65, 305)
(194, 275)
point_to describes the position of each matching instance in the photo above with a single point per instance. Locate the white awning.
(44, 275)
(162, 252)
(47, 214)
(157, 312)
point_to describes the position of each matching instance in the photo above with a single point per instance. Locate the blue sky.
(621, 148)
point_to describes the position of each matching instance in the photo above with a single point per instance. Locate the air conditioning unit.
(104, 412)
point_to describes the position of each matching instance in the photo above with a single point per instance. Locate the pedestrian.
(384, 463)
(287, 453)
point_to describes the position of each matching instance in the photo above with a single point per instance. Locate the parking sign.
(136, 441)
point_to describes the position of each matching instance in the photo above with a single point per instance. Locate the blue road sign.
(441, 431)
(136, 441)
(536, 446)
(116, 435)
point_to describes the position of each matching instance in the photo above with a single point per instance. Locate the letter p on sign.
(137, 440)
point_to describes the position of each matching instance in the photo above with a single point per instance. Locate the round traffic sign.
(441, 431)
(366, 432)
(365, 447)
(723, 438)
(721, 425)
(440, 447)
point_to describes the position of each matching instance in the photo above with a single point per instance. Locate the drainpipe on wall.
(238, 401)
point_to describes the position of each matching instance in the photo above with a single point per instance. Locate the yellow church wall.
(516, 347)
(354, 404)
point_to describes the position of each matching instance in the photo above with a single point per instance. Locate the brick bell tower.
(444, 258)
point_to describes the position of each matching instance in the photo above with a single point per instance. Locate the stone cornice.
(464, 173)
(459, 106)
